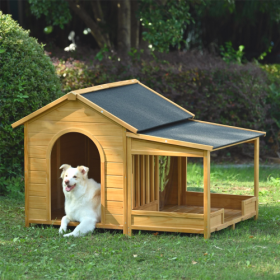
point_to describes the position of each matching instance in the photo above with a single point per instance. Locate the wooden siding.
(74, 114)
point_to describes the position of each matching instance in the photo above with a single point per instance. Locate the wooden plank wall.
(71, 114)
(145, 195)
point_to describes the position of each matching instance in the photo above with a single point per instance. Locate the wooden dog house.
(136, 144)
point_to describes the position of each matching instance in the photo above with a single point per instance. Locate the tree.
(163, 21)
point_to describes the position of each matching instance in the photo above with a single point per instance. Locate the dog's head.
(73, 177)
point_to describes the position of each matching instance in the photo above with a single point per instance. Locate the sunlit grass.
(251, 251)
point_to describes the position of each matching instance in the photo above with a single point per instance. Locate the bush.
(28, 82)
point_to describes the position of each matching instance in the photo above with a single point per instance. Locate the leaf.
(2, 50)
(194, 262)
(205, 254)
(251, 236)
(155, 234)
(135, 256)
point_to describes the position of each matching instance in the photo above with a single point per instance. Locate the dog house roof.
(145, 112)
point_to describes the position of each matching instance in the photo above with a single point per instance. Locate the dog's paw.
(68, 234)
(61, 230)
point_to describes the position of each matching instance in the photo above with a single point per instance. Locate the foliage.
(56, 12)
(229, 54)
(28, 82)
(12, 187)
(248, 252)
(164, 23)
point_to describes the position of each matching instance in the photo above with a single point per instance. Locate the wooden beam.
(251, 141)
(179, 180)
(256, 174)
(105, 86)
(143, 180)
(156, 194)
(147, 172)
(152, 178)
(125, 194)
(206, 194)
(129, 185)
(229, 126)
(26, 174)
(170, 141)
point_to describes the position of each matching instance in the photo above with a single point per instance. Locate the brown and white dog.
(82, 200)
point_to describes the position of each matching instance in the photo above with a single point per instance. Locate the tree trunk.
(124, 26)
(96, 31)
(135, 25)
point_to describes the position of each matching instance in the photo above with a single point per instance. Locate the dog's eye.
(75, 177)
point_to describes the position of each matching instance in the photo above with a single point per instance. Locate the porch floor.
(230, 214)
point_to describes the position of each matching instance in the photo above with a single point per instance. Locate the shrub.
(28, 82)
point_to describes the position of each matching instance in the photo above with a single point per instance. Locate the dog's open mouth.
(70, 188)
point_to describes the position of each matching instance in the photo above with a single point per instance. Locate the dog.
(82, 200)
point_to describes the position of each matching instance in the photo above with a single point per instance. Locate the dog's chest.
(76, 209)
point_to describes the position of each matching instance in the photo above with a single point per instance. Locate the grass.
(251, 251)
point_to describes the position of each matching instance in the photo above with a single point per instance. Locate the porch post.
(256, 174)
(129, 185)
(206, 194)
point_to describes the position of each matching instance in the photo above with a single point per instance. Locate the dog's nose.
(66, 182)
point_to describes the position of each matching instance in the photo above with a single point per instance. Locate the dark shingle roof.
(137, 106)
(203, 133)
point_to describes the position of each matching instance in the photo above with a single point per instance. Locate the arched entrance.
(72, 148)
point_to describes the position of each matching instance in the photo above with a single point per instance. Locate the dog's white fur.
(82, 200)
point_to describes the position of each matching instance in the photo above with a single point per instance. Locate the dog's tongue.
(69, 188)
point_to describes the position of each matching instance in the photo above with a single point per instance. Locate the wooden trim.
(26, 174)
(103, 192)
(40, 111)
(179, 180)
(125, 197)
(168, 229)
(152, 178)
(167, 99)
(105, 86)
(156, 194)
(137, 181)
(164, 153)
(216, 213)
(206, 194)
(169, 141)
(242, 142)
(167, 214)
(246, 202)
(107, 114)
(129, 185)
(71, 96)
(148, 206)
(133, 184)
(143, 179)
(102, 165)
(74, 224)
(256, 174)
(229, 126)
(147, 177)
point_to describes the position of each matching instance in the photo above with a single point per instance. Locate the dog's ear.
(64, 167)
(84, 170)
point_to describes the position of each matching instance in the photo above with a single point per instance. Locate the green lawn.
(251, 251)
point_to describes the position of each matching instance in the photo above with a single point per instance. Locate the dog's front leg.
(87, 225)
(64, 223)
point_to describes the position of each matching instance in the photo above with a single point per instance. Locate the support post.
(129, 184)
(26, 174)
(256, 174)
(206, 194)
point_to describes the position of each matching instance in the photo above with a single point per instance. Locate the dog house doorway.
(75, 149)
